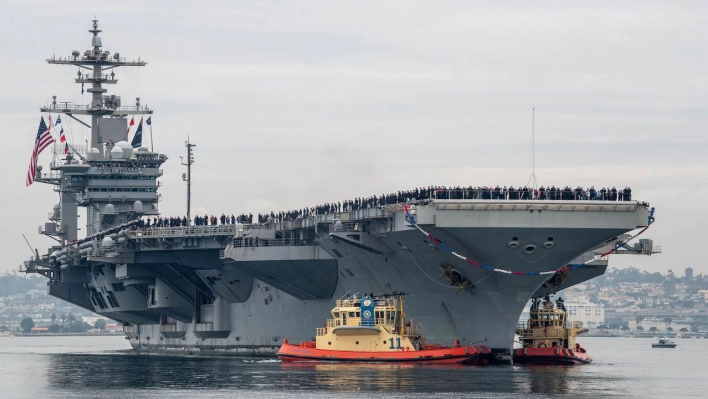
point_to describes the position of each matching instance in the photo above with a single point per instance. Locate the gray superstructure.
(242, 288)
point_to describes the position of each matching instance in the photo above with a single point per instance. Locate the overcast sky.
(294, 104)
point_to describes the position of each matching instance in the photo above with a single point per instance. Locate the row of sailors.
(430, 192)
(398, 197)
(442, 192)
(542, 193)
(162, 222)
(205, 220)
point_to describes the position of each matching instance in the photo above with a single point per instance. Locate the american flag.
(43, 140)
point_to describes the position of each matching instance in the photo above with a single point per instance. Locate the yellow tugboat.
(373, 329)
(548, 338)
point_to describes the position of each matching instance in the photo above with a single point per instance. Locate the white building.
(591, 314)
(575, 297)
(703, 294)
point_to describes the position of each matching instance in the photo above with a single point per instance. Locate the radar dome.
(138, 207)
(109, 209)
(93, 154)
(126, 147)
(107, 242)
(117, 153)
(56, 208)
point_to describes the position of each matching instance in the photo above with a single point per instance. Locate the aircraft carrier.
(469, 262)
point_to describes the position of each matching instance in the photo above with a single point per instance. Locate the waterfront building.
(591, 314)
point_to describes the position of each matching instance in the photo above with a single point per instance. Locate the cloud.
(297, 104)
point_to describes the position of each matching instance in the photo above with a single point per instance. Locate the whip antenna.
(30, 246)
(532, 178)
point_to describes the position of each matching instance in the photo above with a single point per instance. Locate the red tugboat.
(548, 338)
(373, 329)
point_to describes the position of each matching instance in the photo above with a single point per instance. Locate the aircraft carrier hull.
(291, 301)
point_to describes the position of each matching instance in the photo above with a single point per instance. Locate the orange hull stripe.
(296, 352)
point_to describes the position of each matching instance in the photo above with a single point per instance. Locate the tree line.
(69, 323)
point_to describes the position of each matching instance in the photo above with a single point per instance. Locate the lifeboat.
(373, 329)
(547, 337)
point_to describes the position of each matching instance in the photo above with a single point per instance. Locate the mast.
(115, 182)
(188, 177)
(96, 62)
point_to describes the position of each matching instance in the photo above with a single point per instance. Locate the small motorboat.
(663, 343)
(548, 337)
(373, 329)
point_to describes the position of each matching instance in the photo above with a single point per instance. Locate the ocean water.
(105, 367)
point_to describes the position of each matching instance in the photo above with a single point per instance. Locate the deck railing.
(253, 242)
(184, 231)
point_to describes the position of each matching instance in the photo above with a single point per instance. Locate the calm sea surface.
(104, 367)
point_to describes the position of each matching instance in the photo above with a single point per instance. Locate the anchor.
(455, 278)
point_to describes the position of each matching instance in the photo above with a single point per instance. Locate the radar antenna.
(188, 176)
(97, 61)
(532, 178)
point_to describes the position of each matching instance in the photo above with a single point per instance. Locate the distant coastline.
(646, 335)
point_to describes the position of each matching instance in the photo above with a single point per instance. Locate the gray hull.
(293, 292)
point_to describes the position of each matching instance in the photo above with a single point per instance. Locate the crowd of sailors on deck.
(542, 193)
(401, 197)
(205, 220)
(162, 222)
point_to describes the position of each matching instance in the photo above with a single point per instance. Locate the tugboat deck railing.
(553, 332)
(379, 322)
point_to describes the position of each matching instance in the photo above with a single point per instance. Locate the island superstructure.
(470, 263)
